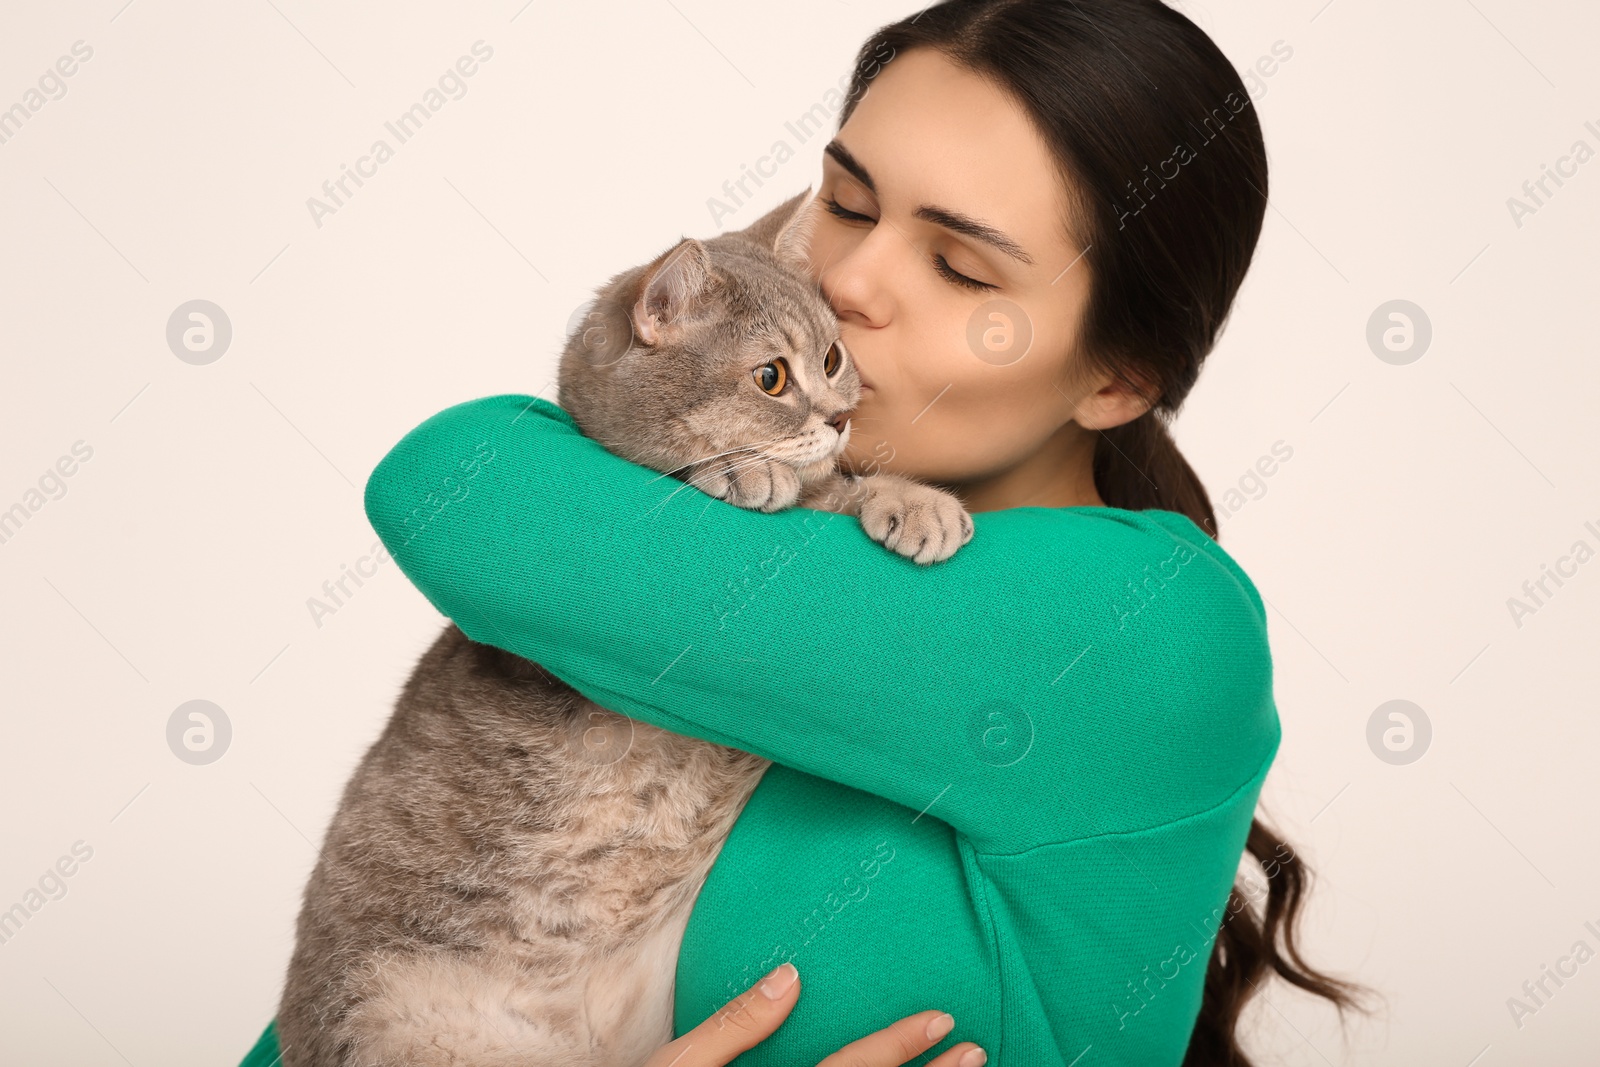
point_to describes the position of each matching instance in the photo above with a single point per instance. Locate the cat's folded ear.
(786, 229)
(668, 286)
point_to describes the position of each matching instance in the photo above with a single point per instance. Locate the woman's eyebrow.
(954, 221)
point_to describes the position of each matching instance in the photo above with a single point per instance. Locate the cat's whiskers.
(732, 469)
(759, 452)
(756, 446)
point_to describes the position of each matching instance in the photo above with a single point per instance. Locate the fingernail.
(778, 980)
(940, 1025)
(974, 1057)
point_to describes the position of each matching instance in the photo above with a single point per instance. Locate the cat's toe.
(916, 520)
(944, 529)
(763, 485)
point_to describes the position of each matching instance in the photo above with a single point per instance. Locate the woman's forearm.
(1090, 658)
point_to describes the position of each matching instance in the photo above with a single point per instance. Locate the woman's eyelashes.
(948, 272)
(960, 279)
(835, 208)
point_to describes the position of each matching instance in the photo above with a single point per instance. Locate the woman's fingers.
(741, 1024)
(904, 1041)
(751, 1017)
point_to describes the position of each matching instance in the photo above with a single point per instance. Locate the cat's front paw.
(747, 480)
(921, 521)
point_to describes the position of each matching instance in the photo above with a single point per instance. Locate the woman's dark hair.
(1161, 150)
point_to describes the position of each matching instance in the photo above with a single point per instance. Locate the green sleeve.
(1069, 672)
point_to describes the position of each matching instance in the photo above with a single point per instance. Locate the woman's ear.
(668, 286)
(1108, 402)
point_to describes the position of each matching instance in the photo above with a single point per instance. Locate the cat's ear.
(793, 241)
(668, 286)
(785, 230)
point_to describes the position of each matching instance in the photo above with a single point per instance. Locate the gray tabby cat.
(511, 869)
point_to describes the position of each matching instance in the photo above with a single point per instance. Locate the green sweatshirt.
(1014, 785)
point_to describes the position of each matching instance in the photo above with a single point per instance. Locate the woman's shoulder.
(1140, 555)
(1182, 617)
(1163, 657)
(1189, 592)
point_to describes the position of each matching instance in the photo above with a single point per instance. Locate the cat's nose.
(839, 422)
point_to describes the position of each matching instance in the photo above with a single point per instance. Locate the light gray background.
(219, 498)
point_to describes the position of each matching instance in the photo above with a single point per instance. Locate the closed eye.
(948, 272)
(960, 279)
(844, 212)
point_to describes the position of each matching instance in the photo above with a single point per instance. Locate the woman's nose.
(855, 283)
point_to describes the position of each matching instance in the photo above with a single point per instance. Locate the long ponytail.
(1137, 465)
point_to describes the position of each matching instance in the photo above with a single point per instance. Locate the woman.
(1036, 222)
(1114, 147)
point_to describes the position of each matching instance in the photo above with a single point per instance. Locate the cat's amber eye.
(772, 377)
(833, 360)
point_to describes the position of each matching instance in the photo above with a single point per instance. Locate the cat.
(511, 868)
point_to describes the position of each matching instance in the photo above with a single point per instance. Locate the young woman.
(1049, 746)
(1114, 164)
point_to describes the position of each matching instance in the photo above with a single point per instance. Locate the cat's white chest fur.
(448, 1011)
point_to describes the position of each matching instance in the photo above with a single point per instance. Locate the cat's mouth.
(842, 442)
(826, 456)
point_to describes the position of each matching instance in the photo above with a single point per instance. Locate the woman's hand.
(753, 1015)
